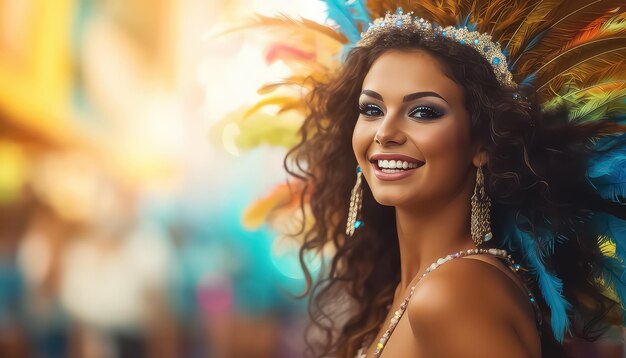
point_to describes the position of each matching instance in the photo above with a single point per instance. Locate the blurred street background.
(122, 230)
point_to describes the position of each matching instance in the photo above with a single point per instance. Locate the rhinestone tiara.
(480, 42)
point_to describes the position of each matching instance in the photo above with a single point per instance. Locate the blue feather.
(550, 285)
(616, 228)
(607, 168)
(528, 80)
(362, 15)
(532, 43)
(466, 23)
(339, 12)
(613, 229)
(345, 50)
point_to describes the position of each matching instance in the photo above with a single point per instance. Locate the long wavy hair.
(536, 168)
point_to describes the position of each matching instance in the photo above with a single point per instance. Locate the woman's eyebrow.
(373, 94)
(416, 95)
(407, 98)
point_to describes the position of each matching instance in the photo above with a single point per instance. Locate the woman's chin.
(399, 199)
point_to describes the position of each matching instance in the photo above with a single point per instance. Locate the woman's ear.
(480, 157)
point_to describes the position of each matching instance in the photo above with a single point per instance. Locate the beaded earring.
(356, 201)
(481, 204)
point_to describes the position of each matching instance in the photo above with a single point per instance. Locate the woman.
(478, 224)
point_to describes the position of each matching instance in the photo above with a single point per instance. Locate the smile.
(394, 166)
(390, 166)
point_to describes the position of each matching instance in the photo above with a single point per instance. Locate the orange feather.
(599, 28)
(288, 25)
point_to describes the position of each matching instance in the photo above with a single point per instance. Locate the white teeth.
(396, 164)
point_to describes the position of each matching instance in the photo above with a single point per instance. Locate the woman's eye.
(370, 110)
(425, 112)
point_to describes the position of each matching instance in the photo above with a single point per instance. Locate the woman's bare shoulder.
(470, 308)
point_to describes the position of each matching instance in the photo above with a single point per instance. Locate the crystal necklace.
(398, 314)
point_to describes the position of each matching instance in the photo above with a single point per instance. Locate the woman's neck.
(426, 235)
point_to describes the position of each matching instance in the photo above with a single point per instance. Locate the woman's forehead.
(403, 72)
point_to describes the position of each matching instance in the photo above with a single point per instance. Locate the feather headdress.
(571, 52)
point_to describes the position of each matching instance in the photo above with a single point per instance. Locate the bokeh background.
(143, 211)
(122, 230)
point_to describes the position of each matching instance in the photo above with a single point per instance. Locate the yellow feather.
(378, 8)
(571, 94)
(280, 101)
(511, 16)
(296, 80)
(529, 24)
(434, 12)
(562, 25)
(600, 68)
(284, 196)
(604, 70)
(265, 129)
(451, 7)
(591, 103)
(616, 23)
(578, 55)
(495, 15)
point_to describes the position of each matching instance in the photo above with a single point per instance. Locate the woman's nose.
(389, 132)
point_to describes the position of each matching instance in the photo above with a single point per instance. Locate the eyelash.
(365, 109)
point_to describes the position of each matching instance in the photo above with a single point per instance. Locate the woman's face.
(412, 138)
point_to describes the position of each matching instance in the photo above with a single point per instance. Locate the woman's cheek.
(361, 140)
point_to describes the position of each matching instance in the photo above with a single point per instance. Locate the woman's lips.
(402, 173)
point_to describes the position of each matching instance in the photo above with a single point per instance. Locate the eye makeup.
(370, 110)
(425, 112)
(420, 112)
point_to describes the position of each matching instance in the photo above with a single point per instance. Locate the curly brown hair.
(536, 168)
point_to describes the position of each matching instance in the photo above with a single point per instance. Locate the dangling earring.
(356, 200)
(481, 204)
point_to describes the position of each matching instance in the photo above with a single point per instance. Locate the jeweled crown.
(480, 42)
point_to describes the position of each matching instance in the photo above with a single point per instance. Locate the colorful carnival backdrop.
(126, 228)
(144, 208)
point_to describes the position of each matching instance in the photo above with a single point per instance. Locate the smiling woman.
(409, 118)
(475, 227)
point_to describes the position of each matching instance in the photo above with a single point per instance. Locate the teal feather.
(340, 13)
(505, 52)
(528, 80)
(361, 14)
(613, 229)
(550, 285)
(532, 43)
(466, 23)
(607, 168)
